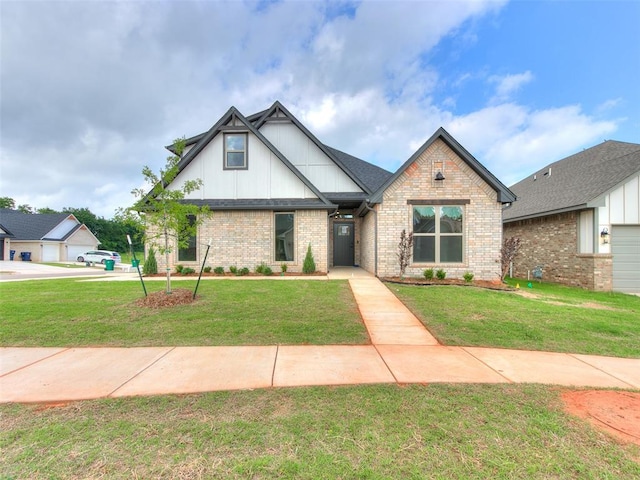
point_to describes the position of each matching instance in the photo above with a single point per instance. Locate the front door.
(343, 253)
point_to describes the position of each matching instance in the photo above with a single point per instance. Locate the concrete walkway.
(402, 351)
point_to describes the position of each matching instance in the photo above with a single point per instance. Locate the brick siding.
(482, 221)
(552, 241)
(245, 238)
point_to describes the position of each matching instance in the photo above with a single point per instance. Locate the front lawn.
(71, 312)
(363, 432)
(545, 317)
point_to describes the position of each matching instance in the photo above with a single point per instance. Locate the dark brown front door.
(343, 252)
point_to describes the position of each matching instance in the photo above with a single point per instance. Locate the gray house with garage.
(579, 218)
(275, 189)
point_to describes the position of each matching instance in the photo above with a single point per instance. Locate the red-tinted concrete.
(13, 359)
(545, 367)
(77, 374)
(299, 365)
(625, 369)
(436, 364)
(204, 369)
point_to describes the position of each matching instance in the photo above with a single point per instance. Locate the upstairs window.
(437, 234)
(235, 151)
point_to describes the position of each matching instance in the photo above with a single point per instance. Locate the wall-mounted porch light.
(439, 177)
(604, 235)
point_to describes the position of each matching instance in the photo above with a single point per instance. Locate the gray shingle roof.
(571, 183)
(371, 175)
(28, 226)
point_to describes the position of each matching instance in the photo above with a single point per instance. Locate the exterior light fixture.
(439, 177)
(604, 235)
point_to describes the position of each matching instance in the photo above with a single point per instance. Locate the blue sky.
(92, 91)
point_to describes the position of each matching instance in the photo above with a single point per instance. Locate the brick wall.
(482, 215)
(552, 242)
(245, 238)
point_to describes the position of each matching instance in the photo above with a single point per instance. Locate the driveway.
(18, 270)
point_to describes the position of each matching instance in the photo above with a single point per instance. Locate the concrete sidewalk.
(402, 351)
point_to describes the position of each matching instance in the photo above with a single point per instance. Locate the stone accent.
(552, 241)
(482, 215)
(245, 238)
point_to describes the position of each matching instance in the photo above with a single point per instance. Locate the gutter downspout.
(375, 236)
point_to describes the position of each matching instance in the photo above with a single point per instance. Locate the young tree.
(168, 219)
(508, 252)
(405, 251)
(309, 264)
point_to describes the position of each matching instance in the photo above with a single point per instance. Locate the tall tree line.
(111, 233)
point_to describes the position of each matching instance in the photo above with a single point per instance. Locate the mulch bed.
(178, 296)
(233, 275)
(453, 281)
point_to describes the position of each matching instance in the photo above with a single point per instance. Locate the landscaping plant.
(309, 265)
(150, 266)
(405, 250)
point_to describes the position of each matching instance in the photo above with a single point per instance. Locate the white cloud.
(508, 85)
(92, 91)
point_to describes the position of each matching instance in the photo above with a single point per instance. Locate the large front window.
(284, 237)
(235, 150)
(437, 234)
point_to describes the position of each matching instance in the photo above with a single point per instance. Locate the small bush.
(267, 270)
(428, 274)
(441, 274)
(283, 267)
(207, 269)
(468, 277)
(260, 268)
(233, 269)
(218, 270)
(150, 266)
(243, 271)
(309, 265)
(187, 271)
(179, 268)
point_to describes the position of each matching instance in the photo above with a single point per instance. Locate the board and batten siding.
(621, 207)
(266, 177)
(312, 162)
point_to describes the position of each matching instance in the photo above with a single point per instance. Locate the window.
(235, 151)
(284, 237)
(188, 253)
(437, 234)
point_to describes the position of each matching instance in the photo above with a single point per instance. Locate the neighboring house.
(274, 189)
(579, 218)
(49, 237)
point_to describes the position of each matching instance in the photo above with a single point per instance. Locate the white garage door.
(625, 247)
(74, 250)
(50, 252)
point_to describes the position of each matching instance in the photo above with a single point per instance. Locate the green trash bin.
(109, 264)
(135, 263)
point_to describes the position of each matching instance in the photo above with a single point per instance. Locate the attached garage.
(73, 251)
(625, 247)
(50, 252)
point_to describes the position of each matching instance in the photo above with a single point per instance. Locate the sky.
(92, 91)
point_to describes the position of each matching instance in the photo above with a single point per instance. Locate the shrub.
(218, 270)
(179, 268)
(150, 266)
(233, 269)
(283, 267)
(309, 265)
(441, 274)
(187, 271)
(428, 273)
(207, 269)
(267, 270)
(244, 271)
(468, 277)
(260, 268)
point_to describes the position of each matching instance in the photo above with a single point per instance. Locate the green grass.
(365, 432)
(545, 317)
(70, 312)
